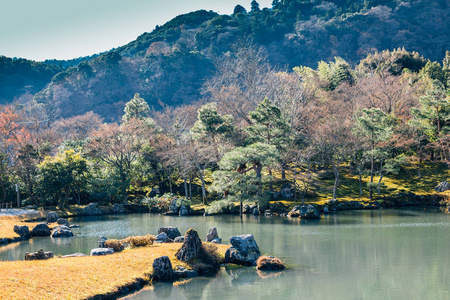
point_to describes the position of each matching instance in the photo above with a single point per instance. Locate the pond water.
(379, 254)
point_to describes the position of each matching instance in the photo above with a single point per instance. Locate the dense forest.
(260, 126)
(170, 65)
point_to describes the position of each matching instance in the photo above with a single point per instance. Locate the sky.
(66, 29)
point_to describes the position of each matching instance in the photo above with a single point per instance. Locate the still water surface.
(380, 254)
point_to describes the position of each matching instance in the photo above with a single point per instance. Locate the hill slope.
(169, 65)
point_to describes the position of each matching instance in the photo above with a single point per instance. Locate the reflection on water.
(380, 254)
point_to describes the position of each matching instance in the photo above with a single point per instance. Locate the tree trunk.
(381, 177)
(419, 175)
(202, 179)
(372, 166)
(190, 186)
(170, 185)
(336, 180)
(270, 182)
(185, 187)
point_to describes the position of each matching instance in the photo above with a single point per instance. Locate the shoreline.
(275, 208)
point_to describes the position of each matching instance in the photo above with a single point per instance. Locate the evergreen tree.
(239, 9)
(254, 6)
(136, 108)
(275, 4)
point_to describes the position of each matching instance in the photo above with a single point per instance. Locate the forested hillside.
(169, 65)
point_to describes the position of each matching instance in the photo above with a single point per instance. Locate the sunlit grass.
(82, 277)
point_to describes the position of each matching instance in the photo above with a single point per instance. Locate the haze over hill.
(169, 65)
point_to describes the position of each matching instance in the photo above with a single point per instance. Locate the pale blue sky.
(65, 29)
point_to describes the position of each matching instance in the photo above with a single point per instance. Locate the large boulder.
(212, 234)
(304, 212)
(102, 251)
(62, 221)
(191, 247)
(185, 210)
(184, 273)
(62, 231)
(23, 231)
(92, 210)
(244, 250)
(179, 239)
(41, 230)
(172, 232)
(162, 269)
(163, 238)
(52, 217)
(40, 255)
(442, 187)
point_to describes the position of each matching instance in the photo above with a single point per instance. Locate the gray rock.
(217, 241)
(179, 239)
(184, 273)
(52, 217)
(118, 209)
(40, 255)
(246, 209)
(102, 251)
(244, 250)
(92, 210)
(73, 255)
(212, 234)
(62, 221)
(162, 269)
(326, 210)
(41, 230)
(62, 231)
(173, 207)
(163, 238)
(101, 242)
(255, 212)
(172, 232)
(304, 212)
(442, 187)
(287, 191)
(268, 213)
(184, 210)
(74, 226)
(23, 231)
(3, 241)
(191, 247)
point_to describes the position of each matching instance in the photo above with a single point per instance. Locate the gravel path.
(15, 212)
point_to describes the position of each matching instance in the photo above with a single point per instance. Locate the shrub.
(219, 207)
(269, 263)
(139, 241)
(117, 245)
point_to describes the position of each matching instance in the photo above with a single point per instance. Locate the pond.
(379, 254)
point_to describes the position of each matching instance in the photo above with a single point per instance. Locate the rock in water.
(212, 234)
(62, 231)
(40, 255)
(23, 231)
(52, 217)
(162, 269)
(62, 221)
(102, 251)
(192, 246)
(101, 242)
(92, 210)
(442, 187)
(244, 250)
(41, 230)
(184, 210)
(118, 209)
(172, 232)
(304, 212)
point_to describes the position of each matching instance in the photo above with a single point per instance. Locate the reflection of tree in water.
(194, 288)
(162, 290)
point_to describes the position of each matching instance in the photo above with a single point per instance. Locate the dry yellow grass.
(81, 277)
(7, 225)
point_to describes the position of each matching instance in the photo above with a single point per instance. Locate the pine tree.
(136, 108)
(254, 6)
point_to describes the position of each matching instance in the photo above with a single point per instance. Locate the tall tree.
(136, 108)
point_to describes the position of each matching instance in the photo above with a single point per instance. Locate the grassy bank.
(82, 277)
